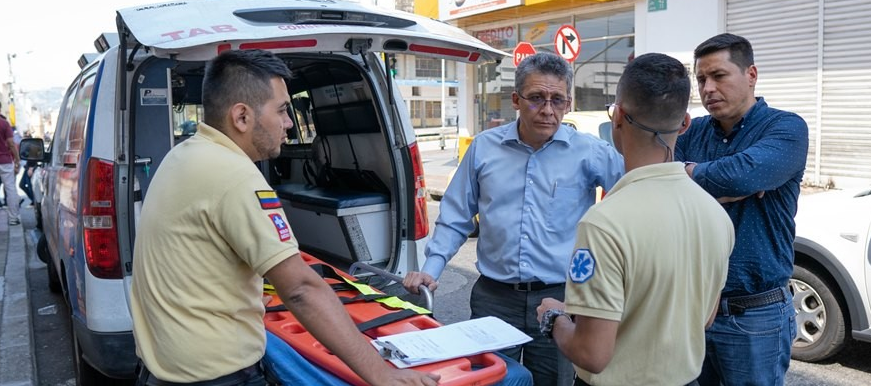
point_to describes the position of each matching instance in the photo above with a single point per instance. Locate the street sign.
(567, 43)
(522, 51)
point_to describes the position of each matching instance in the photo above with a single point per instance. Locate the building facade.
(811, 54)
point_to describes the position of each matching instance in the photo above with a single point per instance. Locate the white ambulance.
(350, 176)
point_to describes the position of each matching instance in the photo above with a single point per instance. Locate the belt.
(147, 378)
(738, 304)
(524, 287)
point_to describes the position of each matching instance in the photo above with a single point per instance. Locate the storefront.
(607, 34)
(812, 57)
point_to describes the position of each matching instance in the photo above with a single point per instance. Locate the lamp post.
(11, 89)
(9, 57)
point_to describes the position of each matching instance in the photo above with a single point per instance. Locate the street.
(52, 341)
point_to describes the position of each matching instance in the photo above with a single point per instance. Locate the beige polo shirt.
(211, 227)
(653, 255)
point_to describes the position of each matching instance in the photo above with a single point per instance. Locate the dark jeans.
(752, 348)
(580, 382)
(549, 367)
(251, 376)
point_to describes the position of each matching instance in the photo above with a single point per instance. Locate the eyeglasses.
(538, 102)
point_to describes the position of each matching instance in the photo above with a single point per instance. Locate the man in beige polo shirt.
(652, 257)
(212, 228)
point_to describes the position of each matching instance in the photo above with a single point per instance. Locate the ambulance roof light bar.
(106, 41)
(86, 58)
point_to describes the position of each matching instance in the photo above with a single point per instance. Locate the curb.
(16, 338)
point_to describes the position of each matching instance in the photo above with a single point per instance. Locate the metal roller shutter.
(785, 38)
(813, 60)
(846, 89)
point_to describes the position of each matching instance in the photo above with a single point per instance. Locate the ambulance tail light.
(421, 219)
(98, 217)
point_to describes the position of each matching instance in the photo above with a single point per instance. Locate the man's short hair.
(237, 76)
(740, 50)
(545, 63)
(657, 89)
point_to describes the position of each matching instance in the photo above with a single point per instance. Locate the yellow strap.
(365, 289)
(269, 289)
(392, 301)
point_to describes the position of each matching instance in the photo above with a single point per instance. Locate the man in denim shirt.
(530, 181)
(751, 158)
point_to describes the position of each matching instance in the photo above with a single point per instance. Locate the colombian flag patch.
(268, 199)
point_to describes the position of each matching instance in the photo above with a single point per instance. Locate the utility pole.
(11, 90)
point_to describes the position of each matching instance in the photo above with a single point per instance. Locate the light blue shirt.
(528, 201)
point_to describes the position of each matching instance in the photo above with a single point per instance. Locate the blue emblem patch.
(583, 266)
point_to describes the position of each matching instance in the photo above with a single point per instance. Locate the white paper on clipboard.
(456, 340)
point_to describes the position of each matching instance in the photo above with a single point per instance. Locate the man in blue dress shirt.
(529, 181)
(750, 157)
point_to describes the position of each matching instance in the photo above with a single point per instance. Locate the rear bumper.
(113, 354)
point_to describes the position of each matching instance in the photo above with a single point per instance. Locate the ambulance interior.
(335, 174)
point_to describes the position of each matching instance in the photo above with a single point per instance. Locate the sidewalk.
(16, 340)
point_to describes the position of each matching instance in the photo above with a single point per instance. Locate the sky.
(49, 36)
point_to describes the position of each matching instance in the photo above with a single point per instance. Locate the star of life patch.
(280, 226)
(268, 199)
(583, 266)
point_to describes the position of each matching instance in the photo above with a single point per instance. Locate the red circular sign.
(522, 51)
(567, 43)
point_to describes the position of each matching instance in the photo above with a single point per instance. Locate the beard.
(267, 146)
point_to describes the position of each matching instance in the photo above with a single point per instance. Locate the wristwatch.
(548, 320)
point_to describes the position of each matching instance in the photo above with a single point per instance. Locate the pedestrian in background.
(204, 245)
(10, 164)
(638, 297)
(751, 158)
(529, 181)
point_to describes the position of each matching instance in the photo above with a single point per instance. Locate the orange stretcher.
(481, 369)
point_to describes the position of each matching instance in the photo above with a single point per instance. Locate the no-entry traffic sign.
(522, 50)
(567, 43)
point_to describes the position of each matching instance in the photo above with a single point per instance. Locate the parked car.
(350, 176)
(596, 123)
(831, 285)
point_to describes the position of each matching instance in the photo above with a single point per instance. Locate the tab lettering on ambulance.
(280, 226)
(268, 199)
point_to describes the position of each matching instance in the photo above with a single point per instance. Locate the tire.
(819, 319)
(42, 250)
(86, 375)
(53, 279)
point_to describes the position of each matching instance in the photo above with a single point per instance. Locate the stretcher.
(376, 315)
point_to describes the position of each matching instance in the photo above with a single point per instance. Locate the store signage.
(567, 43)
(522, 51)
(455, 9)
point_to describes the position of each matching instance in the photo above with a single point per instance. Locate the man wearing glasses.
(529, 181)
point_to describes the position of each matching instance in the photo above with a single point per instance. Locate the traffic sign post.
(522, 51)
(567, 43)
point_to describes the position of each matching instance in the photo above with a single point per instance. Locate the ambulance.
(349, 176)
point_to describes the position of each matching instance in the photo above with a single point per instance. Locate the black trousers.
(253, 375)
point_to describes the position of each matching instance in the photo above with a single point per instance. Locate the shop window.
(452, 91)
(427, 68)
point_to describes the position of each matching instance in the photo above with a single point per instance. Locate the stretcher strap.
(383, 320)
(366, 291)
